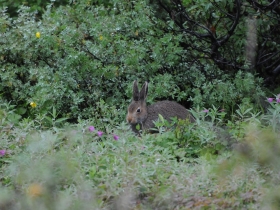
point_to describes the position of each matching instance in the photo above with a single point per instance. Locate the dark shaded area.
(214, 39)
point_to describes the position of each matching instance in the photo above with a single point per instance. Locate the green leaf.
(161, 118)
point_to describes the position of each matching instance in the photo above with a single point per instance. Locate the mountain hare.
(142, 116)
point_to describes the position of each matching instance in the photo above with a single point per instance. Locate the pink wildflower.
(99, 133)
(205, 110)
(2, 152)
(270, 100)
(116, 137)
(91, 128)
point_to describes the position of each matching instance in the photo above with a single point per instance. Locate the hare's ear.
(135, 91)
(144, 91)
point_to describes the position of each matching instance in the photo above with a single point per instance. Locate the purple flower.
(99, 133)
(91, 128)
(278, 100)
(205, 110)
(2, 152)
(116, 137)
(270, 100)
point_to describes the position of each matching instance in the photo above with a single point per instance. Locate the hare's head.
(137, 110)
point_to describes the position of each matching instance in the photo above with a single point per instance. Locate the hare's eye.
(138, 110)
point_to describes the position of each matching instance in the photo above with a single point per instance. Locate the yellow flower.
(33, 104)
(38, 34)
(100, 37)
(35, 190)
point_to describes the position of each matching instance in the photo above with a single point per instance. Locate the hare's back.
(167, 109)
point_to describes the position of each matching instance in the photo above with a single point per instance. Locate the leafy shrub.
(191, 140)
(227, 93)
(78, 64)
(9, 115)
(272, 117)
(34, 5)
(215, 36)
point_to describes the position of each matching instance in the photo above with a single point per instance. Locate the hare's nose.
(129, 119)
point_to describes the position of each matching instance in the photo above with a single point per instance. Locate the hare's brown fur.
(141, 114)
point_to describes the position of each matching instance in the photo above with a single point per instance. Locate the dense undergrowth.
(189, 166)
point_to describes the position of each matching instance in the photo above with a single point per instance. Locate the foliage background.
(89, 53)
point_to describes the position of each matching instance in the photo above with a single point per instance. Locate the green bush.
(82, 57)
(34, 5)
(184, 140)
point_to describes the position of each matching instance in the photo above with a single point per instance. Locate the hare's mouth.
(133, 122)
